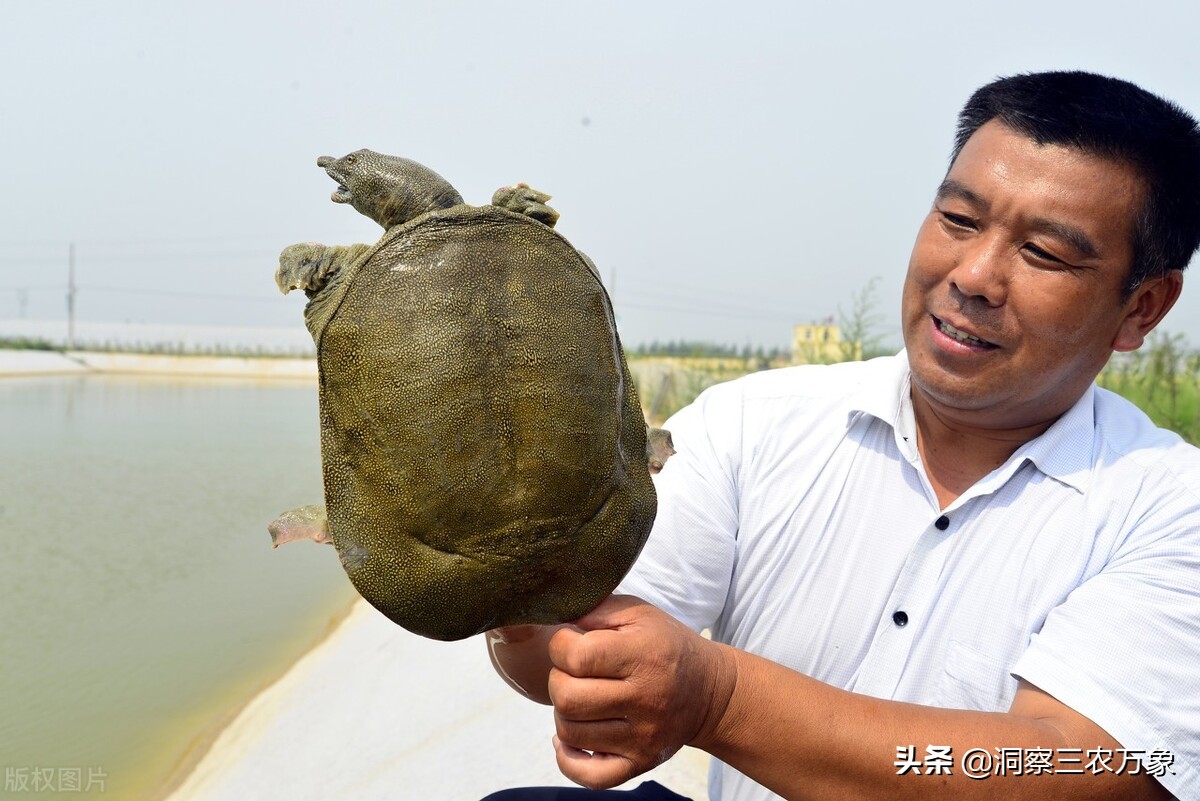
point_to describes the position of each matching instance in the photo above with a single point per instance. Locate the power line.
(135, 291)
(708, 302)
(176, 294)
(142, 257)
(698, 308)
(674, 288)
(58, 243)
(702, 312)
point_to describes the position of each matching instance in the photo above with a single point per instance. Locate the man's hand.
(631, 687)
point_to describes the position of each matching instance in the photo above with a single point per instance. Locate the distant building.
(822, 344)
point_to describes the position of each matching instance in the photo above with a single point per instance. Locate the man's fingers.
(613, 612)
(591, 654)
(610, 736)
(596, 771)
(586, 699)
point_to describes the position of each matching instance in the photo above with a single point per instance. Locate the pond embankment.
(53, 362)
(377, 713)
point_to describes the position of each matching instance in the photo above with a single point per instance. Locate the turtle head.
(388, 189)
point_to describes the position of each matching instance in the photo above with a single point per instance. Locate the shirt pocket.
(974, 680)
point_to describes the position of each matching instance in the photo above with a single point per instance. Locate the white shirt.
(796, 521)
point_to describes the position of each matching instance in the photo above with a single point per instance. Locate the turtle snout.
(325, 161)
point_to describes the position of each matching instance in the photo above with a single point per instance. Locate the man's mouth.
(961, 336)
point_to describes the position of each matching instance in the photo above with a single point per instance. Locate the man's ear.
(1150, 303)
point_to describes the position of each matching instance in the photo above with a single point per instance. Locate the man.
(960, 572)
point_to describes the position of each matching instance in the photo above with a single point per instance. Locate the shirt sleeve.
(1124, 648)
(686, 565)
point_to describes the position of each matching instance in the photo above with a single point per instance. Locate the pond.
(143, 602)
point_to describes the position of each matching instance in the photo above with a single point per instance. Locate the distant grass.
(1163, 379)
(27, 343)
(160, 348)
(1170, 404)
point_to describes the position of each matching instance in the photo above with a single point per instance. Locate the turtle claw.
(299, 267)
(659, 448)
(311, 265)
(524, 199)
(305, 523)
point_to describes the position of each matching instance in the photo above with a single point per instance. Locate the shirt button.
(942, 523)
(900, 619)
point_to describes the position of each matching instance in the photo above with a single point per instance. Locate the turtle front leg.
(305, 523)
(311, 265)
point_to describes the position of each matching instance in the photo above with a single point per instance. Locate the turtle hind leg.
(659, 448)
(305, 523)
(524, 199)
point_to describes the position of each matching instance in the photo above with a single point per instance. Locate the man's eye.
(959, 221)
(1037, 252)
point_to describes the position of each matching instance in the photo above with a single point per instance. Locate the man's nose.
(982, 272)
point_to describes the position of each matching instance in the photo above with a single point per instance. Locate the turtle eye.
(351, 158)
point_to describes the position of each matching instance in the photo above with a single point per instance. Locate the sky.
(732, 168)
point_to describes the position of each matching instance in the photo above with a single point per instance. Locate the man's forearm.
(805, 739)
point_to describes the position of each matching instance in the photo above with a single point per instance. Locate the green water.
(141, 597)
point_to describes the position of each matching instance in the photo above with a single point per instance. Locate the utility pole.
(71, 298)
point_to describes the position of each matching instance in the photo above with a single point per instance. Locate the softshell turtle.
(484, 453)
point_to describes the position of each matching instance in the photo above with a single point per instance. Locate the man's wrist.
(722, 673)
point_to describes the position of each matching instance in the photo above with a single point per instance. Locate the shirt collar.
(1063, 451)
(882, 392)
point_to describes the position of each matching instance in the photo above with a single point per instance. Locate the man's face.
(1013, 298)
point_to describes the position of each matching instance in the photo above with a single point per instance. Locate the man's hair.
(1114, 119)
